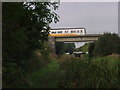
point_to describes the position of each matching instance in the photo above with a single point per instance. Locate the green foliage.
(73, 73)
(47, 76)
(83, 48)
(46, 50)
(62, 48)
(25, 29)
(14, 76)
(90, 49)
(36, 62)
(96, 73)
(103, 73)
(15, 46)
(107, 44)
(69, 47)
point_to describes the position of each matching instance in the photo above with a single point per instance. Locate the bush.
(62, 48)
(14, 76)
(73, 73)
(90, 49)
(36, 62)
(25, 29)
(103, 73)
(98, 73)
(107, 44)
(83, 48)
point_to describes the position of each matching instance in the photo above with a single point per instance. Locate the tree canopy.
(107, 44)
(25, 28)
(62, 48)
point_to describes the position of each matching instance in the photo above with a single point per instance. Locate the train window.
(78, 31)
(72, 31)
(66, 31)
(59, 31)
(53, 32)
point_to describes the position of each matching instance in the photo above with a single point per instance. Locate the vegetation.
(83, 48)
(93, 72)
(62, 48)
(28, 63)
(107, 44)
(25, 30)
(48, 76)
(90, 49)
(73, 72)
(69, 47)
(96, 73)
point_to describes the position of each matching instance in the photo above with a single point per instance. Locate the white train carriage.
(67, 32)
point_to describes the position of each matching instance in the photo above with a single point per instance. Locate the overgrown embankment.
(46, 77)
(25, 29)
(100, 72)
(71, 72)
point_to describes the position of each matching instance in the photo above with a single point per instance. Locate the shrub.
(14, 76)
(62, 48)
(90, 49)
(107, 44)
(73, 73)
(101, 72)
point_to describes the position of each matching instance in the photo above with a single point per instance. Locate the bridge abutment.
(52, 44)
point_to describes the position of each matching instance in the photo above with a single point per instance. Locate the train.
(67, 32)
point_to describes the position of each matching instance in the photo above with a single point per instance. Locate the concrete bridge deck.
(80, 38)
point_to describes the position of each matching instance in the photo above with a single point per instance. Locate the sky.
(96, 17)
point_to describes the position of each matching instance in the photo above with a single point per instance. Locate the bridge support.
(52, 44)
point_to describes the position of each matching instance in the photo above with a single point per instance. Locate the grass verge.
(47, 76)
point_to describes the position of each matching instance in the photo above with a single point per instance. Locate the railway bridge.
(80, 38)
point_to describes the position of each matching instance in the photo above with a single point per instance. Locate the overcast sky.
(96, 17)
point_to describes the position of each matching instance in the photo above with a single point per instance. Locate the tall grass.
(46, 77)
(72, 70)
(101, 72)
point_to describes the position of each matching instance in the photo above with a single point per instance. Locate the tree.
(69, 47)
(83, 48)
(62, 48)
(107, 44)
(25, 29)
(90, 49)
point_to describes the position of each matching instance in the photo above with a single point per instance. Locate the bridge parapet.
(81, 38)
